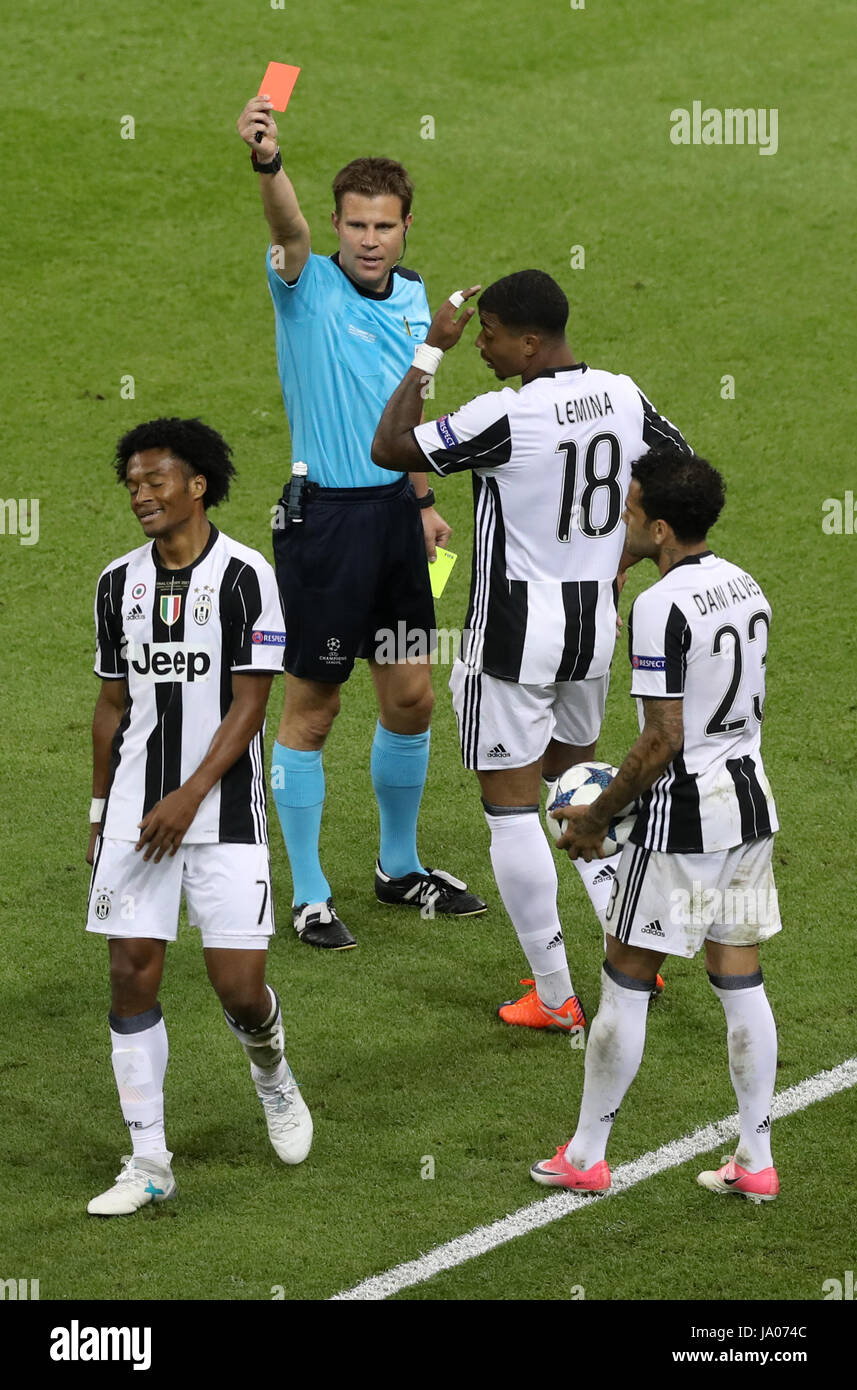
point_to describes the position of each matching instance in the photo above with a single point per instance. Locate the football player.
(550, 465)
(697, 870)
(189, 636)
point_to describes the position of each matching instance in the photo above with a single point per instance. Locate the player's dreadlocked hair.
(680, 488)
(372, 177)
(200, 448)
(527, 299)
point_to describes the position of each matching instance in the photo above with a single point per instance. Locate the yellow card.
(440, 570)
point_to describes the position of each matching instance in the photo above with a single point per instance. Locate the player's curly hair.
(528, 299)
(200, 448)
(680, 488)
(372, 178)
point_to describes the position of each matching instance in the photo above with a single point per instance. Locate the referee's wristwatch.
(274, 167)
(427, 500)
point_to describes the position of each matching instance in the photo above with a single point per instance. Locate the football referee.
(350, 542)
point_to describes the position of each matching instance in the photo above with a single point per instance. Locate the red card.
(279, 83)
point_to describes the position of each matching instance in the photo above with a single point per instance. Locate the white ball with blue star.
(580, 786)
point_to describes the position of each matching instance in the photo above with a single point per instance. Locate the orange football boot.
(530, 1012)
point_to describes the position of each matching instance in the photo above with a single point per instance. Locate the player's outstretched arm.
(164, 828)
(109, 708)
(288, 226)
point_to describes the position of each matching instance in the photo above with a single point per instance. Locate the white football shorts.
(505, 724)
(674, 902)
(227, 889)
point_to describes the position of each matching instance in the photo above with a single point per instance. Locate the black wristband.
(274, 167)
(427, 500)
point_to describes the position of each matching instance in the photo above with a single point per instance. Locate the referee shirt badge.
(171, 607)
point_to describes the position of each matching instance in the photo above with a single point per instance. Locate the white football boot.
(141, 1181)
(289, 1121)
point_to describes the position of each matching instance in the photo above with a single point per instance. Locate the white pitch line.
(562, 1203)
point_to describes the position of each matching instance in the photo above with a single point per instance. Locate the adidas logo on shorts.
(498, 751)
(653, 929)
(605, 876)
(557, 941)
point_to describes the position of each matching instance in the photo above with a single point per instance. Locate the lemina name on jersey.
(551, 469)
(700, 634)
(177, 637)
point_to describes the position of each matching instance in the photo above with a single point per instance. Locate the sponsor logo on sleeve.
(261, 638)
(649, 663)
(446, 432)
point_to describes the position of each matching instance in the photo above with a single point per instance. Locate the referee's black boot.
(433, 892)
(318, 925)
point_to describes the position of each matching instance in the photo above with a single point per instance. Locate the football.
(581, 785)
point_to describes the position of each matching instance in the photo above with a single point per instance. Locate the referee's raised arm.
(289, 228)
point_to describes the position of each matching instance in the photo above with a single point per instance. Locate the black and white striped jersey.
(700, 634)
(176, 637)
(551, 469)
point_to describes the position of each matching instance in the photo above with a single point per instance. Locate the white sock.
(752, 1043)
(598, 877)
(614, 1051)
(264, 1047)
(554, 989)
(139, 1057)
(525, 874)
(268, 1081)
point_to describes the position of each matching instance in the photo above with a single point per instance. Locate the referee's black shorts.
(354, 568)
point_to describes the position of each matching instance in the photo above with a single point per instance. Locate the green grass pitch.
(143, 259)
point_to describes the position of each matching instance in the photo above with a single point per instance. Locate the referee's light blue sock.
(297, 784)
(399, 766)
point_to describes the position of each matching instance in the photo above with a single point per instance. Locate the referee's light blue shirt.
(341, 353)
